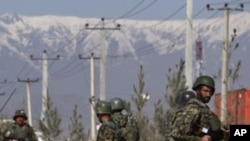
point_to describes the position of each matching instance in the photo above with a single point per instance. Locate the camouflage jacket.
(109, 131)
(128, 126)
(170, 119)
(194, 122)
(24, 133)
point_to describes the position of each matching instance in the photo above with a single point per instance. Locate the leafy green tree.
(76, 127)
(50, 125)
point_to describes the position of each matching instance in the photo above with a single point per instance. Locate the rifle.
(13, 137)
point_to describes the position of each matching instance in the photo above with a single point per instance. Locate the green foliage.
(176, 83)
(76, 127)
(160, 119)
(139, 102)
(50, 125)
(138, 99)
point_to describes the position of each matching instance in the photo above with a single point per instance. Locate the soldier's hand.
(206, 138)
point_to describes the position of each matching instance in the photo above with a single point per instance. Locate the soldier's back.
(109, 131)
(131, 129)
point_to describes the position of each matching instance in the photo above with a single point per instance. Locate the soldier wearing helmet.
(204, 87)
(198, 122)
(108, 130)
(126, 123)
(20, 129)
(183, 98)
(180, 101)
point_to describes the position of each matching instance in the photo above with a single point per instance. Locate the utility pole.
(225, 55)
(92, 95)
(28, 81)
(103, 52)
(189, 45)
(44, 83)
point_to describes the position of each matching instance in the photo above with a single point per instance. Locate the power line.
(143, 9)
(6, 102)
(132, 9)
(167, 18)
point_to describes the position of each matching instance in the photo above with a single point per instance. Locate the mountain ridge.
(157, 45)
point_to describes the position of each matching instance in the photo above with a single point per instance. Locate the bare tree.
(176, 83)
(76, 127)
(139, 101)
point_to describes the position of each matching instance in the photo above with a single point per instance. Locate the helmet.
(117, 104)
(204, 80)
(20, 113)
(184, 97)
(103, 107)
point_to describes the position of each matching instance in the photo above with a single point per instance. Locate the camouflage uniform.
(127, 124)
(197, 120)
(180, 101)
(22, 132)
(108, 131)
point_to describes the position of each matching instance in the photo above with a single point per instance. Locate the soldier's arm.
(105, 133)
(184, 124)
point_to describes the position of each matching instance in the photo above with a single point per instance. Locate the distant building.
(238, 105)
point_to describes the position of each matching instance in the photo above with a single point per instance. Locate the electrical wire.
(7, 101)
(131, 10)
(145, 50)
(143, 9)
(167, 18)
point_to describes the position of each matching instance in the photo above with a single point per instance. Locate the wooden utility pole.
(103, 53)
(28, 81)
(92, 95)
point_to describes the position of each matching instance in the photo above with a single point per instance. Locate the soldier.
(108, 131)
(183, 98)
(198, 122)
(20, 130)
(180, 101)
(127, 124)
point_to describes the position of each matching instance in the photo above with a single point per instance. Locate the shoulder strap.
(198, 102)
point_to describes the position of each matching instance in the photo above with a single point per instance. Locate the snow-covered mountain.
(157, 45)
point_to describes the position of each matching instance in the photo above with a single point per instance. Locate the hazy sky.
(116, 9)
